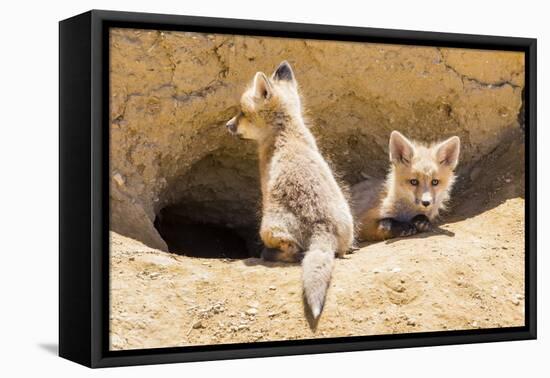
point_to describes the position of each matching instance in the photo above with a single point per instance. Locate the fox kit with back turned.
(305, 215)
(415, 190)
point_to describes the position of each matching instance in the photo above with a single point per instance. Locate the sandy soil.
(466, 274)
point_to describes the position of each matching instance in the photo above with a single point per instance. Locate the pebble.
(198, 325)
(252, 311)
(411, 322)
(376, 271)
(272, 288)
(254, 304)
(258, 335)
(218, 308)
(118, 179)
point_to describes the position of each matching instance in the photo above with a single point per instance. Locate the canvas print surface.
(266, 189)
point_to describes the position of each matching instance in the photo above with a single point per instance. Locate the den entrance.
(187, 236)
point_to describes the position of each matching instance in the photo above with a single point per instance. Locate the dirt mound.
(464, 275)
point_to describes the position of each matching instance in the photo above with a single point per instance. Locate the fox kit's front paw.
(422, 223)
(406, 229)
(273, 254)
(287, 252)
(395, 229)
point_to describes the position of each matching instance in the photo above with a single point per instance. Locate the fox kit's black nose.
(426, 203)
(231, 125)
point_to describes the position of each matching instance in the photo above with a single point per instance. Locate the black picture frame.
(84, 188)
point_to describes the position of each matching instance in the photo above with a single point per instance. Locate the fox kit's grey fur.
(304, 212)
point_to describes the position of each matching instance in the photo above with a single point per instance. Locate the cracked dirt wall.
(172, 92)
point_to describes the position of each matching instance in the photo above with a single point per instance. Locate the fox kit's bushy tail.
(317, 269)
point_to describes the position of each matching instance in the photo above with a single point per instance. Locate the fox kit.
(305, 215)
(415, 190)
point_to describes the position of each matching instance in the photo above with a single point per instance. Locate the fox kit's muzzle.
(426, 199)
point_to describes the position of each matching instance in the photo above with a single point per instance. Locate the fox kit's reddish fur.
(304, 212)
(415, 190)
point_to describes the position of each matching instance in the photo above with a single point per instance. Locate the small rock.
(272, 288)
(252, 311)
(396, 270)
(218, 308)
(117, 341)
(118, 179)
(376, 270)
(258, 335)
(254, 304)
(411, 322)
(198, 325)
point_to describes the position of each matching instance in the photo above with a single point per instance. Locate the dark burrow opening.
(196, 238)
(211, 209)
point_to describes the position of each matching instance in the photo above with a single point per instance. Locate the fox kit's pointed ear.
(284, 72)
(262, 86)
(401, 149)
(447, 152)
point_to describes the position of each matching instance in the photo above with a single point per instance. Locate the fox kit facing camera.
(415, 190)
(305, 215)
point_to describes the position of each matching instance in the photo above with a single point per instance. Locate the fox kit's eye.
(435, 182)
(414, 182)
